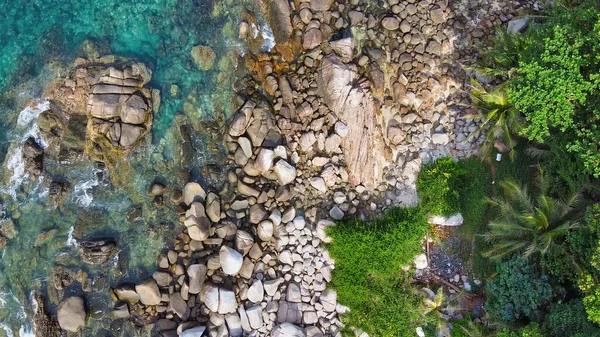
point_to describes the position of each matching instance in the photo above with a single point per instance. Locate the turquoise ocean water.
(37, 38)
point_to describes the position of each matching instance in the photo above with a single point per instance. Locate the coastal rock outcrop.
(71, 313)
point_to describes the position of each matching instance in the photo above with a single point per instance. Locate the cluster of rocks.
(341, 128)
(102, 109)
(248, 265)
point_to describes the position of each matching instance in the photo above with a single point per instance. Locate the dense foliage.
(569, 319)
(532, 330)
(438, 185)
(517, 292)
(558, 82)
(368, 276)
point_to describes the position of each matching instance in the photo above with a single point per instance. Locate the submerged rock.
(203, 57)
(97, 251)
(71, 313)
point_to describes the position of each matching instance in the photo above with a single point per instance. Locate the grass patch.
(368, 276)
(438, 185)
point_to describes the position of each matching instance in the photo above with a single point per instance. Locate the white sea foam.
(268, 36)
(8, 331)
(70, 240)
(31, 113)
(27, 122)
(83, 191)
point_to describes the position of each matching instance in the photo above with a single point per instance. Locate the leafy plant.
(589, 279)
(532, 330)
(530, 224)
(569, 319)
(438, 185)
(558, 82)
(502, 54)
(368, 277)
(502, 121)
(518, 291)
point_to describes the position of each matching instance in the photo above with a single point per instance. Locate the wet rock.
(71, 313)
(59, 191)
(97, 251)
(8, 229)
(213, 207)
(157, 189)
(33, 157)
(126, 292)
(148, 291)
(231, 260)
(121, 310)
(203, 57)
(191, 191)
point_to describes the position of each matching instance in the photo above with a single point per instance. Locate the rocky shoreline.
(332, 124)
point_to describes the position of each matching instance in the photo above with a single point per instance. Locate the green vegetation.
(518, 291)
(529, 224)
(438, 185)
(368, 276)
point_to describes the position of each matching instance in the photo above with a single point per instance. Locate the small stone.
(420, 261)
(319, 184)
(339, 197)
(390, 23)
(227, 302)
(264, 160)
(196, 274)
(341, 129)
(288, 330)
(437, 16)
(336, 213)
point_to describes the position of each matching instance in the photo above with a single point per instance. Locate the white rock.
(264, 160)
(440, 138)
(293, 293)
(285, 172)
(307, 140)
(231, 260)
(210, 297)
(420, 261)
(329, 300)
(420, 332)
(243, 242)
(453, 221)
(339, 197)
(256, 292)
(319, 184)
(197, 275)
(285, 257)
(341, 129)
(193, 332)
(516, 26)
(255, 316)
(265, 230)
(271, 286)
(246, 146)
(288, 330)
(227, 301)
(336, 213)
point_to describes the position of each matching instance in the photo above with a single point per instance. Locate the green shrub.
(558, 82)
(588, 281)
(569, 319)
(368, 276)
(438, 185)
(518, 291)
(532, 330)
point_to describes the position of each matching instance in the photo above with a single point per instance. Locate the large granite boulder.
(364, 148)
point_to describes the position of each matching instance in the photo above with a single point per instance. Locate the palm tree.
(501, 57)
(530, 224)
(473, 329)
(502, 121)
(435, 308)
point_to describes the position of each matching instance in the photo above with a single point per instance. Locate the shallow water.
(38, 38)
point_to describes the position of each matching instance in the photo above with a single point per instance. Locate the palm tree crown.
(529, 224)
